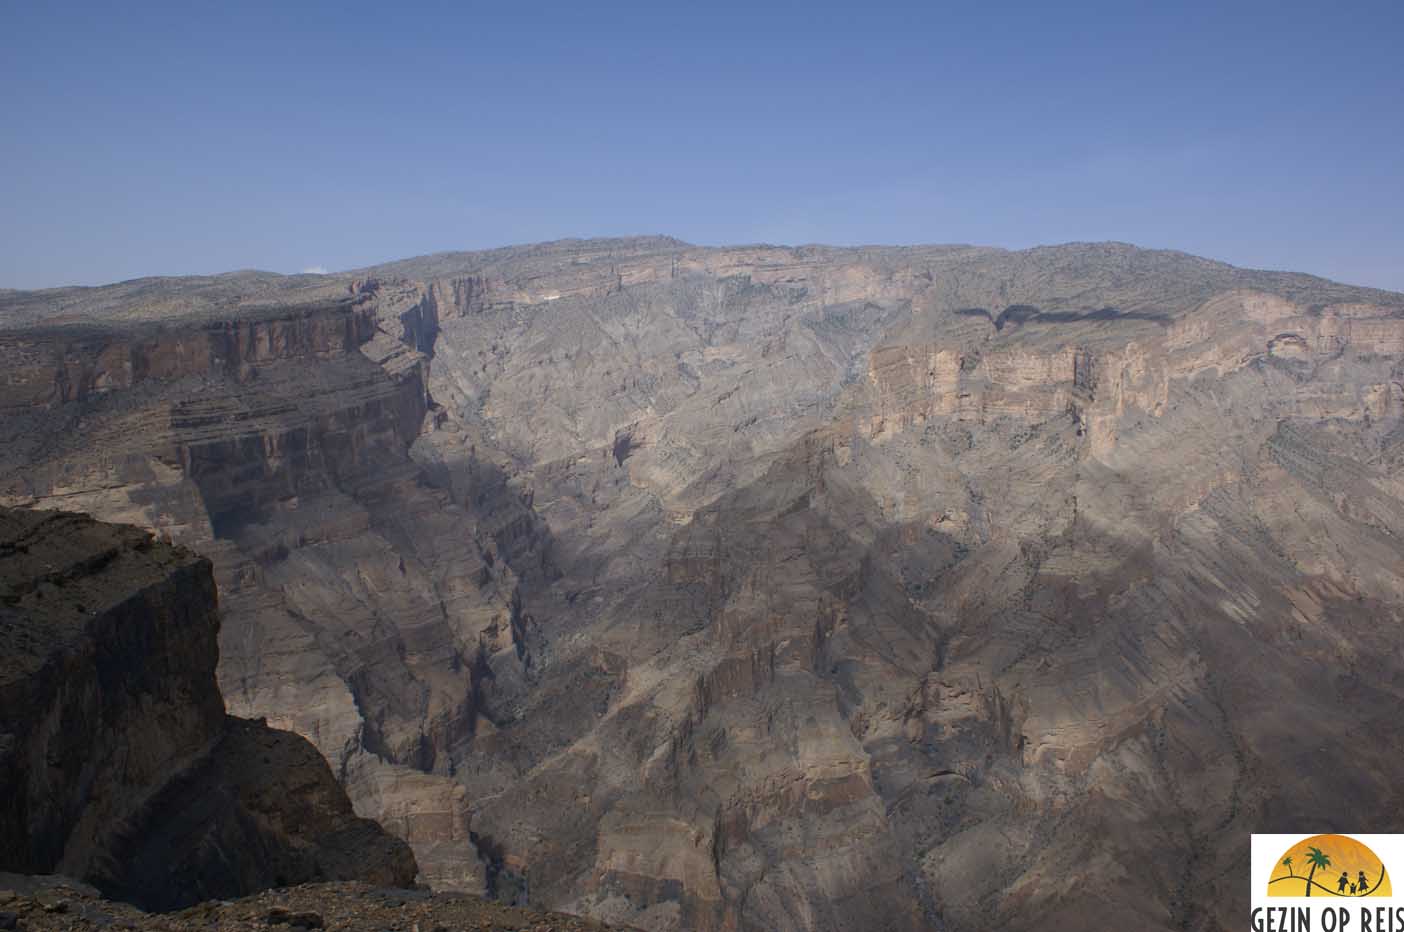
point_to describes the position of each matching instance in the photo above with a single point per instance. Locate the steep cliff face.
(117, 762)
(929, 588)
(361, 601)
(815, 588)
(109, 647)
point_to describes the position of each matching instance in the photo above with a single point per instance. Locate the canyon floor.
(769, 588)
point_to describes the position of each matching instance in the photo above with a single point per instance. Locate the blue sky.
(155, 138)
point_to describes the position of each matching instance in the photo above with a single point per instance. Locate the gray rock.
(768, 588)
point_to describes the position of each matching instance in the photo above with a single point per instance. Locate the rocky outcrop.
(261, 810)
(109, 649)
(117, 762)
(39, 904)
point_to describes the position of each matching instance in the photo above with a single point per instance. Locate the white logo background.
(1267, 852)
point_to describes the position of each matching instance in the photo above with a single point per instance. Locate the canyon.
(767, 588)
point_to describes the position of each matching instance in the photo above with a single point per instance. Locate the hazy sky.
(154, 138)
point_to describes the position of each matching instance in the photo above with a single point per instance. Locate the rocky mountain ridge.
(743, 588)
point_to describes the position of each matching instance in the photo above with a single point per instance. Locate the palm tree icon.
(1316, 858)
(1287, 863)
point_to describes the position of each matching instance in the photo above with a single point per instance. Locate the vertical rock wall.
(118, 764)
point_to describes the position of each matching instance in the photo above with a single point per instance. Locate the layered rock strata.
(766, 588)
(361, 603)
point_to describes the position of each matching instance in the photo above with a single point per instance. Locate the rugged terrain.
(767, 588)
(33, 904)
(118, 763)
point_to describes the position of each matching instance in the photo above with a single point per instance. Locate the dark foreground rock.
(40, 903)
(117, 762)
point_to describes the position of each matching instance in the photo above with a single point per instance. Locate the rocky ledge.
(118, 764)
(31, 904)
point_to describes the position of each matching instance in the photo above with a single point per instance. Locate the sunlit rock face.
(761, 588)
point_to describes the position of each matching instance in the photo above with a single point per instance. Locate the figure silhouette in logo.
(1341, 884)
(1363, 884)
(1352, 889)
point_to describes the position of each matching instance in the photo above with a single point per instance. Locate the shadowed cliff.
(117, 762)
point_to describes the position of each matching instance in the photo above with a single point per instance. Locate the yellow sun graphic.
(1329, 865)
